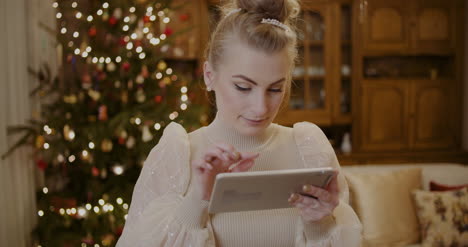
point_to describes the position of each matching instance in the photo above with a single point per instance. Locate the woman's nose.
(260, 105)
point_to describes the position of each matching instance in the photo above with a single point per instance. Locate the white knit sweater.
(165, 212)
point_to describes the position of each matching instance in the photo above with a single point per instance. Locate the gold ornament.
(40, 141)
(166, 80)
(71, 99)
(162, 65)
(140, 96)
(106, 145)
(95, 95)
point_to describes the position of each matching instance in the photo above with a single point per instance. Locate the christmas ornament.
(106, 145)
(168, 31)
(126, 66)
(130, 84)
(102, 113)
(140, 96)
(146, 134)
(144, 71)
(41, 164)
(107, 239)
(40, 141)
(158, 98)
(94, 171)
(70, 99)
(167, 80)
(86, 81)
(92, 32)
(124, 97)
(162, 65)
(130, 142)
(95, 95)
(117, 84)
(111, 67)
(112, 21)
(140, 79)
(146, 19)
(117, 13)
(105, 16)
(103, 173)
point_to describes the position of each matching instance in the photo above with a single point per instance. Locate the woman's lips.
(254, 122)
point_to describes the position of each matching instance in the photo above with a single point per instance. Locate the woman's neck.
(219, 131)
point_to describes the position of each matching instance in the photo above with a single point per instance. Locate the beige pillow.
(384, 204)
(443, 217)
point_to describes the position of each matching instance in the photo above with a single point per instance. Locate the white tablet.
(246, 191)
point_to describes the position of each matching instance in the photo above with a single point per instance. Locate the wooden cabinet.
(385, 115)
(407, 115)
(431, 115)
(416, 26)
(321, 89)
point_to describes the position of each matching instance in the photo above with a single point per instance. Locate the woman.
(249, 64)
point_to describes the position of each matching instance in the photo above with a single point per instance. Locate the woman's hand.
(316, 209)
(218, 159)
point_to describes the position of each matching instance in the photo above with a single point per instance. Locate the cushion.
(443, 217)
(384, 204)
(434, 186)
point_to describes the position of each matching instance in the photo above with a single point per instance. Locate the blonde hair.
(243, 19)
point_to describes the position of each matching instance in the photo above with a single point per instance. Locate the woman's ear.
(208, 75)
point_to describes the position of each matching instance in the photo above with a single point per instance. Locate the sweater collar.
(221, 132)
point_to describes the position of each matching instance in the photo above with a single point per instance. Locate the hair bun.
(282, 10)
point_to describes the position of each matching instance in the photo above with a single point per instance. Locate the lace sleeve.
(345, 229)
(158, 196)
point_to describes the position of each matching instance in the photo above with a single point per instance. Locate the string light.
(149, 9)
(155, 41)
(157, 126)
(101, 202)
(183, 107)
(108, 60)
(88, 206)
(129, 45)
(152, 18)
(166, 20)
(162, 37)
(46, 145)
(63, 30)
(71, 158)
(142, 55)
(82, 212)
(149, 36)
(159, 75)
(40, 213)
(132, 9)
(161, 13)
(125, 206)
(76, 34)
(62, 211)
(74, 5)
(55, 5)
(184, 97)
(84, 54)
(58, 15)
(119, 201)
(99, 12)
(101, 60)
(88, 49)
(105, 5)
(96, 209)
(139, 49)
(125, 28)
(90, 18)
(78, 15)
(127, 19)
(45, 190)
(183, 89)
(137, 121)
(118, 170)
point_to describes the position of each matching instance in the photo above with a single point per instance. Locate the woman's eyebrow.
(253, 82)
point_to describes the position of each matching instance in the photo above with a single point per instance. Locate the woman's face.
(249, 86)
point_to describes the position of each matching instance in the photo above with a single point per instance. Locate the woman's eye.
(242, 88)
(276, 90)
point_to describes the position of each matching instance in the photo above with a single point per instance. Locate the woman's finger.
(243, 166)
(229, 150)
(321, 194)
(333, 185)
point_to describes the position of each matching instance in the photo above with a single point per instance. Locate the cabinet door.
(432, 114)
(384, 110)
(434, 26)
(385, 25)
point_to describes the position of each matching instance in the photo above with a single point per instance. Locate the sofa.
(384, 197)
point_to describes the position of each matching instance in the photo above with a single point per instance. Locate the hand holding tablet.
(264, 189)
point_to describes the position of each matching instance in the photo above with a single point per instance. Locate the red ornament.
(146, 19)
(41, 164)
(158, 98)
(168, 31)
(112, 21)
(184, 17)
(95, 171)
(119, 230)
(126, 66)
(103, 113)
(122, 42)
(92, 32)
(121, 140)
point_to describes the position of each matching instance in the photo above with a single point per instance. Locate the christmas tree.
(115, 92)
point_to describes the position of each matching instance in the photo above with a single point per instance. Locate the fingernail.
(208, 166)
(307, 188)
(293, 198)
(236, 155)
